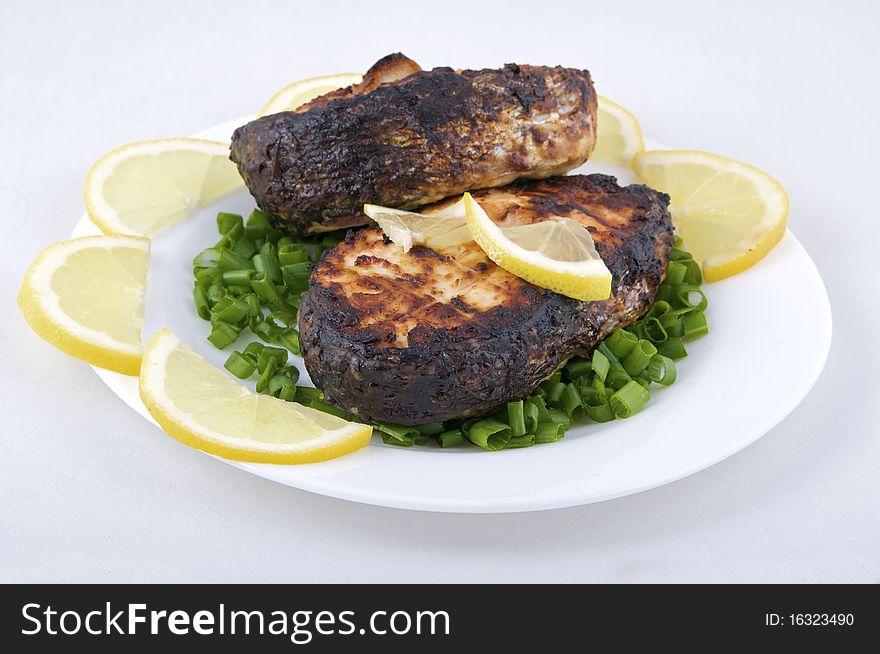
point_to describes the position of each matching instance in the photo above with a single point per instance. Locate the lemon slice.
(204, 408)
(86, 297)
(729, 214)
(298, 93)
(618, 136)
(440, 229)
(145, 187)
(554, 254)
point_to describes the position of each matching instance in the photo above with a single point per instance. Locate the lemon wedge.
(556, 254)
(729, 214)
(142, 188)
(440, 229)
(618, 135)
(86, 297)
(204, 408)
(298, 93)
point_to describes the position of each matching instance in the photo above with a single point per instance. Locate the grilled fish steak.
(414, 139)
(425, 336)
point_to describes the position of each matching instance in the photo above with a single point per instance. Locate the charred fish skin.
(411, 142)
(424, 337)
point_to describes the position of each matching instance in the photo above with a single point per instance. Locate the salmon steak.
(404, 138)
(425, 336)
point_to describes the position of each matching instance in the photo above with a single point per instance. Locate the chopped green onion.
(275, 356)
(270, 260)
(319, 404)
(234, 313)
(289, 338)
(275, 384)
(685, 294)
(296, 276)
(664, 293)
(230, 261)
(526, 440)
(430, 428)
(253, 349)
(223, 334)
(549, 432)
(208, 258)
(629, 399)
(266, 374)
(600, 364)
(675, 273)
(306, 394)
(673, 347)
(292, 253)
(572, 403)
(490, 434)
(451, 438)
(516, 418)
(291, 373)
(654, 331)
(695, 325)
(621, 342)
(203, 307)
(559, 417)
(661, 370)
(541, 407)
(264, 287)
(207, 277)
(390, 439)
(693, 275)
(578, 367)
(237, 277)
(658, 309)
(240, 366)
(530, 413)
(679, 255)
(639, 357)
(254, 310)
(401, 434)
(554, 393)
(601, 412)
(288, 391)
(245, 248)
(226, 221)
(215, 293)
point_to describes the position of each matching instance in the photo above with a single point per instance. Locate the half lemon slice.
(440, 229)
(145, 187)
(618, 134)
(86, 297)
(204, 408)
(298, 93)
(555, 254)
(729, 214)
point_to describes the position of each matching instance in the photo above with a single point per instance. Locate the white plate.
(770, 335)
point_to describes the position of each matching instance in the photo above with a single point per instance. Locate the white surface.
(594, 462)
(91, 494)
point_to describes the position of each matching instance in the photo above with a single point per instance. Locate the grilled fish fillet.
(422, 336)
(406, 139)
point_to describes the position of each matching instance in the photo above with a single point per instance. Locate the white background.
(91, 492)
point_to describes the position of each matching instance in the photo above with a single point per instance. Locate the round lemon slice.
(204, 408)
(729, 214)
(556, 254)
(298, 93)
(142, 188)
(618, 135)
(86, 297)
(440, 229)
